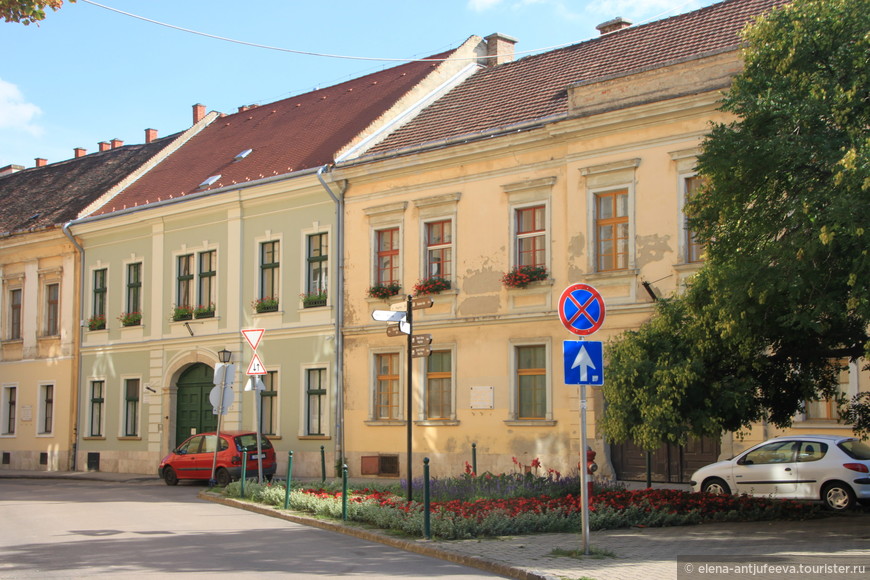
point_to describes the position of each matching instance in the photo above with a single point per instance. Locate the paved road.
(79, 529)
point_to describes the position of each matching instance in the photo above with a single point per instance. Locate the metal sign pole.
(259, 431)
(408, 418)
(584, 485)
(212, 481)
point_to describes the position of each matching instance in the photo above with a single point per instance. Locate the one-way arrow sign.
(584, 362)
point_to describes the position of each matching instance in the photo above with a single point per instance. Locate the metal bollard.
(322, 465)
(244, 470)
(289, 475)
(474, 458)
(427, 523)
(344, 492)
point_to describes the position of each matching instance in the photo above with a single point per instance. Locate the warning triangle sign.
(253, 336)
(256, 367)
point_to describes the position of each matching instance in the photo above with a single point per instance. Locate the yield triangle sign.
(253, 336)
(256, 367)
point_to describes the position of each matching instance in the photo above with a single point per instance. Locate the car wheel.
(838, 496)
(222, 477)
(716, 486)
(169, 476)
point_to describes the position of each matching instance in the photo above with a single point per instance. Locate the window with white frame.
(439, 385)
(269, 404)
(316, 406)
(531, 381)
(134, 289)
(15, 297)
(207, 294)
(529, 203)
(96, 404)
(10, 405)
(131, 407)
(52, 309)
(46, 409)
(387, 388)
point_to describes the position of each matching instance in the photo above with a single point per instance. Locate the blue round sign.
(581, 309)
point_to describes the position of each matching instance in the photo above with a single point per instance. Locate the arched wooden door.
(193, 411)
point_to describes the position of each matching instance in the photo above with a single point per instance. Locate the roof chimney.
(116, 143)
(150, 135)
(617, 23)
(80, 151)
(40, 162)
(10, 169)
(198, 113)
(104, 146)
(499, 49)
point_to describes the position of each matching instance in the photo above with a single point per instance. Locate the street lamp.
(224, 356)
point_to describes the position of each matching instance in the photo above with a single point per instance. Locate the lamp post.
(224, 357)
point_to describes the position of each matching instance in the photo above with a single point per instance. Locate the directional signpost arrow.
(389, 315)
(421, 340)
(420, 351)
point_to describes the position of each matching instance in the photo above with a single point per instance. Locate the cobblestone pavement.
(624, 554)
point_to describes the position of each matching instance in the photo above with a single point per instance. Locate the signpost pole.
(584, 482)
(408, 418)
(259, 434)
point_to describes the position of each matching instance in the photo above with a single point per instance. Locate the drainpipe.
(339, 316)
(77, 342)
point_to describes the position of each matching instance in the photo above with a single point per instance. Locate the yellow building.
(576, 163)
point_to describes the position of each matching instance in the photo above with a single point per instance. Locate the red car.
(193, 459)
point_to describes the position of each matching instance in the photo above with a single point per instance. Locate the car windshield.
(248, 442)
(855, 449)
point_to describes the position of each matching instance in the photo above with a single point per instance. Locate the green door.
(193, 413)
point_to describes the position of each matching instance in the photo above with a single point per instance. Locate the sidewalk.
(623, 554)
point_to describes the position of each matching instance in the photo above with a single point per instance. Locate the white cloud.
(482, 5)
(16, 112)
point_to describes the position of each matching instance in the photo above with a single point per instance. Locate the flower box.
(313, 299)
(130, 318)
(384, 290)
(97, 323)
(182, 313)
(204, 311)
(267, 304)
(522, 276)
(432, 285)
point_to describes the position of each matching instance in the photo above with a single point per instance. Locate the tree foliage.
(27, 11)
(781, 303)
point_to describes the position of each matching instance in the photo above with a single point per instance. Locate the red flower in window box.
(522, 276)
(432, 285)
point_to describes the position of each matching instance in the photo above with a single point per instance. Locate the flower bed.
(457, 519)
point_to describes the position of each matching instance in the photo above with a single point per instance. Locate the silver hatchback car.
(827, 468)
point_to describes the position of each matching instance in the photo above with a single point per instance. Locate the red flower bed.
(649, 500)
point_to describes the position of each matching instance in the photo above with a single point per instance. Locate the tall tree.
(27, 11)
(782, 302)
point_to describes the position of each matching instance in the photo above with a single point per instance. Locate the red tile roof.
(298, 133)
(535, 87)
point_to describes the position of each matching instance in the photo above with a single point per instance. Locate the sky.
(88, 73)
